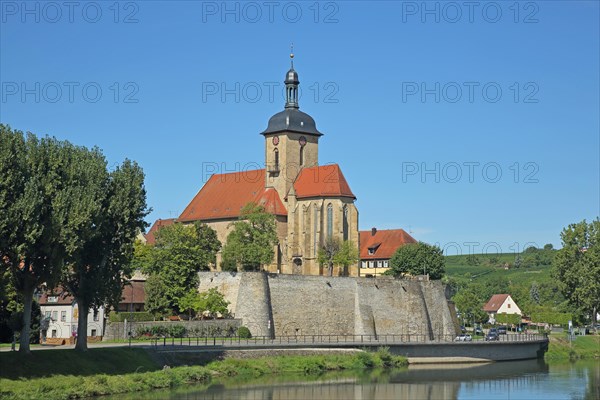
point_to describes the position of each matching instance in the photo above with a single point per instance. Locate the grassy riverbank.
(583, 347)
(62, 374)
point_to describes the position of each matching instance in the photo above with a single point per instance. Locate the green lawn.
(110, 361)
(582, 347)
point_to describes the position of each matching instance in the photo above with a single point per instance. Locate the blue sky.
(474, 127)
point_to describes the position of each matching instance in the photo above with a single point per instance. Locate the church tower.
(291, 140)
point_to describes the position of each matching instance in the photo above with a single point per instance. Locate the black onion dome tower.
(291, 119)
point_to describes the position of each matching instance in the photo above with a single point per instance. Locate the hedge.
(130, 316)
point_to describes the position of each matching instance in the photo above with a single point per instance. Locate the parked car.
(492, 335)
(463, 338)
(501, 330)
(478, 331)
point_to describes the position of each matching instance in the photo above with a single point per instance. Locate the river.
(531, 380)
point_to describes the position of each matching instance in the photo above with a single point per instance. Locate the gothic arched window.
(276, 151)
(345, 223)
(329, 221)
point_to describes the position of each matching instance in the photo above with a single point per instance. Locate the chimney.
(373, 231)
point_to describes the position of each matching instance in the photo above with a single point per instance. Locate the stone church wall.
(281, 304)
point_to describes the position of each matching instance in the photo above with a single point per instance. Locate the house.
(60, 315)
(501, 304)
(377, 247)
(133, 298)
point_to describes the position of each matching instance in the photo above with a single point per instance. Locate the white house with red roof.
(377, 248)
(501, 304)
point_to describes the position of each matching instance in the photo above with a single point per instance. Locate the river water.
(531, 380)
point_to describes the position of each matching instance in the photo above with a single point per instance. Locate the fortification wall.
(281, 304)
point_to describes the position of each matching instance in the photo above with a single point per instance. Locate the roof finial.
(292, 55)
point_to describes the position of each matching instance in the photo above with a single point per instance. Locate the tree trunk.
(27, 300)
(82, 322)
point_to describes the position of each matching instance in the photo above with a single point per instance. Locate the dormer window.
(52, 299)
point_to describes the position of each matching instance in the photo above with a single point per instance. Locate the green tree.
(470, 306)
(251, 242)
(335, 252)
(179, 253)
(190, 302)
(416, 259)
(534, 293)
(108, 211)
(33, 200)
(214, 302)
(157, 299)
(576, 266)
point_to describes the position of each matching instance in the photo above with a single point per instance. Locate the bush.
(244, 332)
(177, 331)
(130, 316)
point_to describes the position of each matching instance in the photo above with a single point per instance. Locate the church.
(311, 203)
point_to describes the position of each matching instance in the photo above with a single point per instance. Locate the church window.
(276, 151)
(329, 221)
(301, 156)
(315, 230)
(345, 223)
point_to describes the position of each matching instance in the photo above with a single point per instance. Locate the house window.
(371, 251)
(385, 264)
(55, 315)
(508, 305)
(363, 264)
(63, 316)
(329, 221)
(95, 317)
(54, 333)
(93, 332)
(48, 314)
(370, 264)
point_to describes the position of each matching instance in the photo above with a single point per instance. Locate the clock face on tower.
(275, 140)
(302, 140)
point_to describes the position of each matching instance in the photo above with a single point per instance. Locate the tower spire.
(291, 84)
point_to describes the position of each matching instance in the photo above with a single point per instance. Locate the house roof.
(383, 242)
(159, 223)
(133, 292)
(495, 302)
(224, 195)
(322, 181)
(62, 298)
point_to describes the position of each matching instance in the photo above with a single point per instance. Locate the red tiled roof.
(133, 292)
(159, 223)
(224, 195)
(62, 298)
(322, 181)
(385, 243)
(495, 302)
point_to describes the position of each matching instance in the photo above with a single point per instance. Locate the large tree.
(174, 261)
(470, 306)
(251, 242)
(108, 210)
(417, 259)
(335, 252)
(34, 210)
(576, 266)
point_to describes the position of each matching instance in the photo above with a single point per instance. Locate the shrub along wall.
(216, 327)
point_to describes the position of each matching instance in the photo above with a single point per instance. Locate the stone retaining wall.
(119, 330)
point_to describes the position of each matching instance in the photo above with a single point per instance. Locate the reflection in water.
(533, 380)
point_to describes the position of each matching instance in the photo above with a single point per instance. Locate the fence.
(336, 340)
